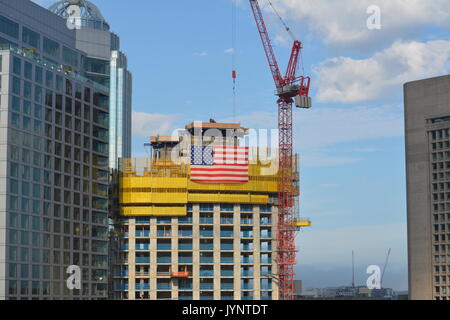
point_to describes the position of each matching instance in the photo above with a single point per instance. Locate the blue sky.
(351, 143)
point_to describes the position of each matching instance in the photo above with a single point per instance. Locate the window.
(16, 86)
(27, 90)
(17, 66)
(51, 47)
(9, 27)
(70, 57)
(49, 79)
(28, 72)
(30, 37)
(38, 75)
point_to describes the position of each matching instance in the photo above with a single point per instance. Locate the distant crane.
(384, 268)
(289, 89)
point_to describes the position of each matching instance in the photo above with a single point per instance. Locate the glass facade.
(56, 177)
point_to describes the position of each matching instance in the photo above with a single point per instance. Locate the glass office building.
(105, 64)
(54, 160)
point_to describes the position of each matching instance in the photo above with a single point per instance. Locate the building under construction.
(186, 234)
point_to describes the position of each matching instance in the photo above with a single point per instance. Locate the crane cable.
(233, 54)
(289, 31)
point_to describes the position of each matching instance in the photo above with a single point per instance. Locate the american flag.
(219, 164)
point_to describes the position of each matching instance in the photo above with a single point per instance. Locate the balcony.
(142, 286)
(163, 233)
(266, 234)
(164, 260)
(246, 247)
(206, 273)
(163, 286)
(226, 260)
(184, 220)
(226, 246)
(185, 286)
(266, 248)
(142, 274)
(206, 286)
(207, 260)
(247, 298)
(206, 246)
(206, 233)
(266, 286)
(247, 260)
(226, 221)
(226, 234)
(247, 221)
(266, 222)
(125, 247)
(266, 260)
(226, 273)
(164, 246)
(142, 259)
(227, 286)
(247, 273)
(247, 286)
(185, 246)
(184, 259)
(185, 233)
(246, 234)
(142, 246)
(141, 234)
(206, 221)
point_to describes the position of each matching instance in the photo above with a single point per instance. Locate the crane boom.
(270, 54)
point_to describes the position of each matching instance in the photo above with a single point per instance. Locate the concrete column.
(153, 260)
(131, 259)
(237, 251)
(174, 259)
(195, 252)
(275, 293)
(256, 253)
(216, 244)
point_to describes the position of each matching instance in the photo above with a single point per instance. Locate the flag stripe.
(221, 164)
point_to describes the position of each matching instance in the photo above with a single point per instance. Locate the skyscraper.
(105, 64)
(427, 116)
(53, 160)
(198, 222)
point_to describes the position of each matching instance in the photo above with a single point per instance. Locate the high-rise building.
(54, 158)
(198, 220)
(427, 115)
(106, 64)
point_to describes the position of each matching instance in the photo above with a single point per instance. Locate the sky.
(351, 143)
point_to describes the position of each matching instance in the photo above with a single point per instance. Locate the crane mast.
(290, 89)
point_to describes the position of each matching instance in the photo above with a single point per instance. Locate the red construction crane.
(290, 88)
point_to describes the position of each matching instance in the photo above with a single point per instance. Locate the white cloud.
(229, 51)
(146, 124)
(343, 23)
(344, 79)
(200, 54)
